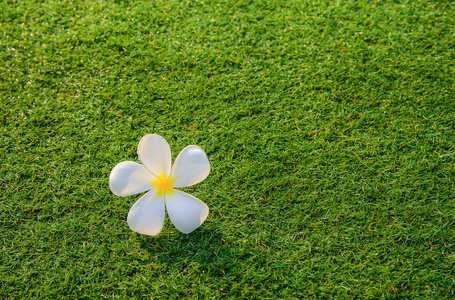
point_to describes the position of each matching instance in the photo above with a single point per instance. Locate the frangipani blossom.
(156, 176)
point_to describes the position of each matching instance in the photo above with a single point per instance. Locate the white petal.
(129, 178)
(185, 211)
(190, 167)
(147, 214)
(155, 154)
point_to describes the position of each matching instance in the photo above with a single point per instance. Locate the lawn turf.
(329, 126)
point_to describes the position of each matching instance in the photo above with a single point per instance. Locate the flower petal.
(190, 167)
(185, 211)
(147, 214)
(129, 178)
(155, 154)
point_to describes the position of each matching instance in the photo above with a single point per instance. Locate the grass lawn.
(329, 126)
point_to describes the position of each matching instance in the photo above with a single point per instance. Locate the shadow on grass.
(205, 250)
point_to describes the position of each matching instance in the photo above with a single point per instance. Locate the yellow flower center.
(163, 185)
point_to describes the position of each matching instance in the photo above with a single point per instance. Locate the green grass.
(329, 126)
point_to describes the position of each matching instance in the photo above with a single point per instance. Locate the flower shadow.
(204, 251)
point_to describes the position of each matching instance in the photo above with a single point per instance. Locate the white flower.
(156, 176)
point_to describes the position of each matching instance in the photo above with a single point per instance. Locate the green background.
(329, 126)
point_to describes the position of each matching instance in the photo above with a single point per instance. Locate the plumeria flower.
(156, 176)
